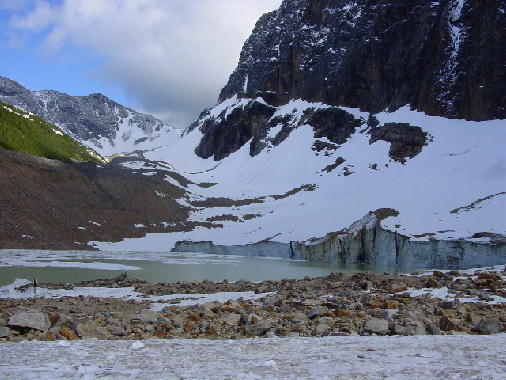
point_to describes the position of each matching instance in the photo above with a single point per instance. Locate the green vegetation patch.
(24, 132)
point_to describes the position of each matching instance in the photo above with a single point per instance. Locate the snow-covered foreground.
(442, 357)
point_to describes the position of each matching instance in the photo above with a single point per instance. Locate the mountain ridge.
(94, 120)
(24, 132)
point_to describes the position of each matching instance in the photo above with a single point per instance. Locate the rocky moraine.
(432, 303)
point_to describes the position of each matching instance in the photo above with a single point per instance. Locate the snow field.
(428, 357)
(464, 163)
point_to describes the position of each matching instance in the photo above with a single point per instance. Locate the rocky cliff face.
(445, 58)
(94, 120)
(441, 57)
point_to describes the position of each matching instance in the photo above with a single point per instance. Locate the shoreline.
(430, 303)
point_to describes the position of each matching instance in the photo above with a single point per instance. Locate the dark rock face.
(261, 140)
(442, 57)
(226, 135)
(333, 123)
(405, 140)
(231, 130)
(83, 117)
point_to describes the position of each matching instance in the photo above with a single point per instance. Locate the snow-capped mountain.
(352, 131)
(94, 120)
(339, 109)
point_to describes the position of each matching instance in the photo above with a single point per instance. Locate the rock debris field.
(432, 303)
(438, 324)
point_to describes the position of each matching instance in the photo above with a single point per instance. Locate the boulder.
(432, 329)
(322, 329)
(259, 328)
(317, 311)
(376, 326)
(5, 332)
(31, 319)
(410, 328)
(449, 324)
(89, 330)
(488, 326)
(432, 283)
(232, 319)
(147, 316)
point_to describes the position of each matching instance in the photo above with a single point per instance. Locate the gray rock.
(322, 329)
(147, 316)
(271, 300)
(232, 319)
(299, 317)
(261, 327)
(89, 329)
(432, 329)
(410, 328)
(5, 332)
(376, 326)
(210, 306)
(488, 326)
(117, 330)
(416, 328)
(317, 311)
(30, 318)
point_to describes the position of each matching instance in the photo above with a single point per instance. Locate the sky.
(169, 58)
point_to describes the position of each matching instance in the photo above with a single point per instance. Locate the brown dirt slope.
(53, 204)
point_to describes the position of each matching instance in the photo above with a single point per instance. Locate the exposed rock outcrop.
(228, 132)
(442, 57)
(406, 141)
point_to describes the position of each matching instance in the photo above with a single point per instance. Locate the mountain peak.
(95, 120)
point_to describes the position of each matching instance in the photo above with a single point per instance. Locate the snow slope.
(428, 357)
(455, 188)
(129, 136)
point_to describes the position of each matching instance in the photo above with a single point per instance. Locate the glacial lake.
(76, 266)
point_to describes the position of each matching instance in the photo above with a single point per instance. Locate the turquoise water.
(156, 267)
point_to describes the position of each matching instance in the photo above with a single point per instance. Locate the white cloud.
(171, 56)
(39, 18)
